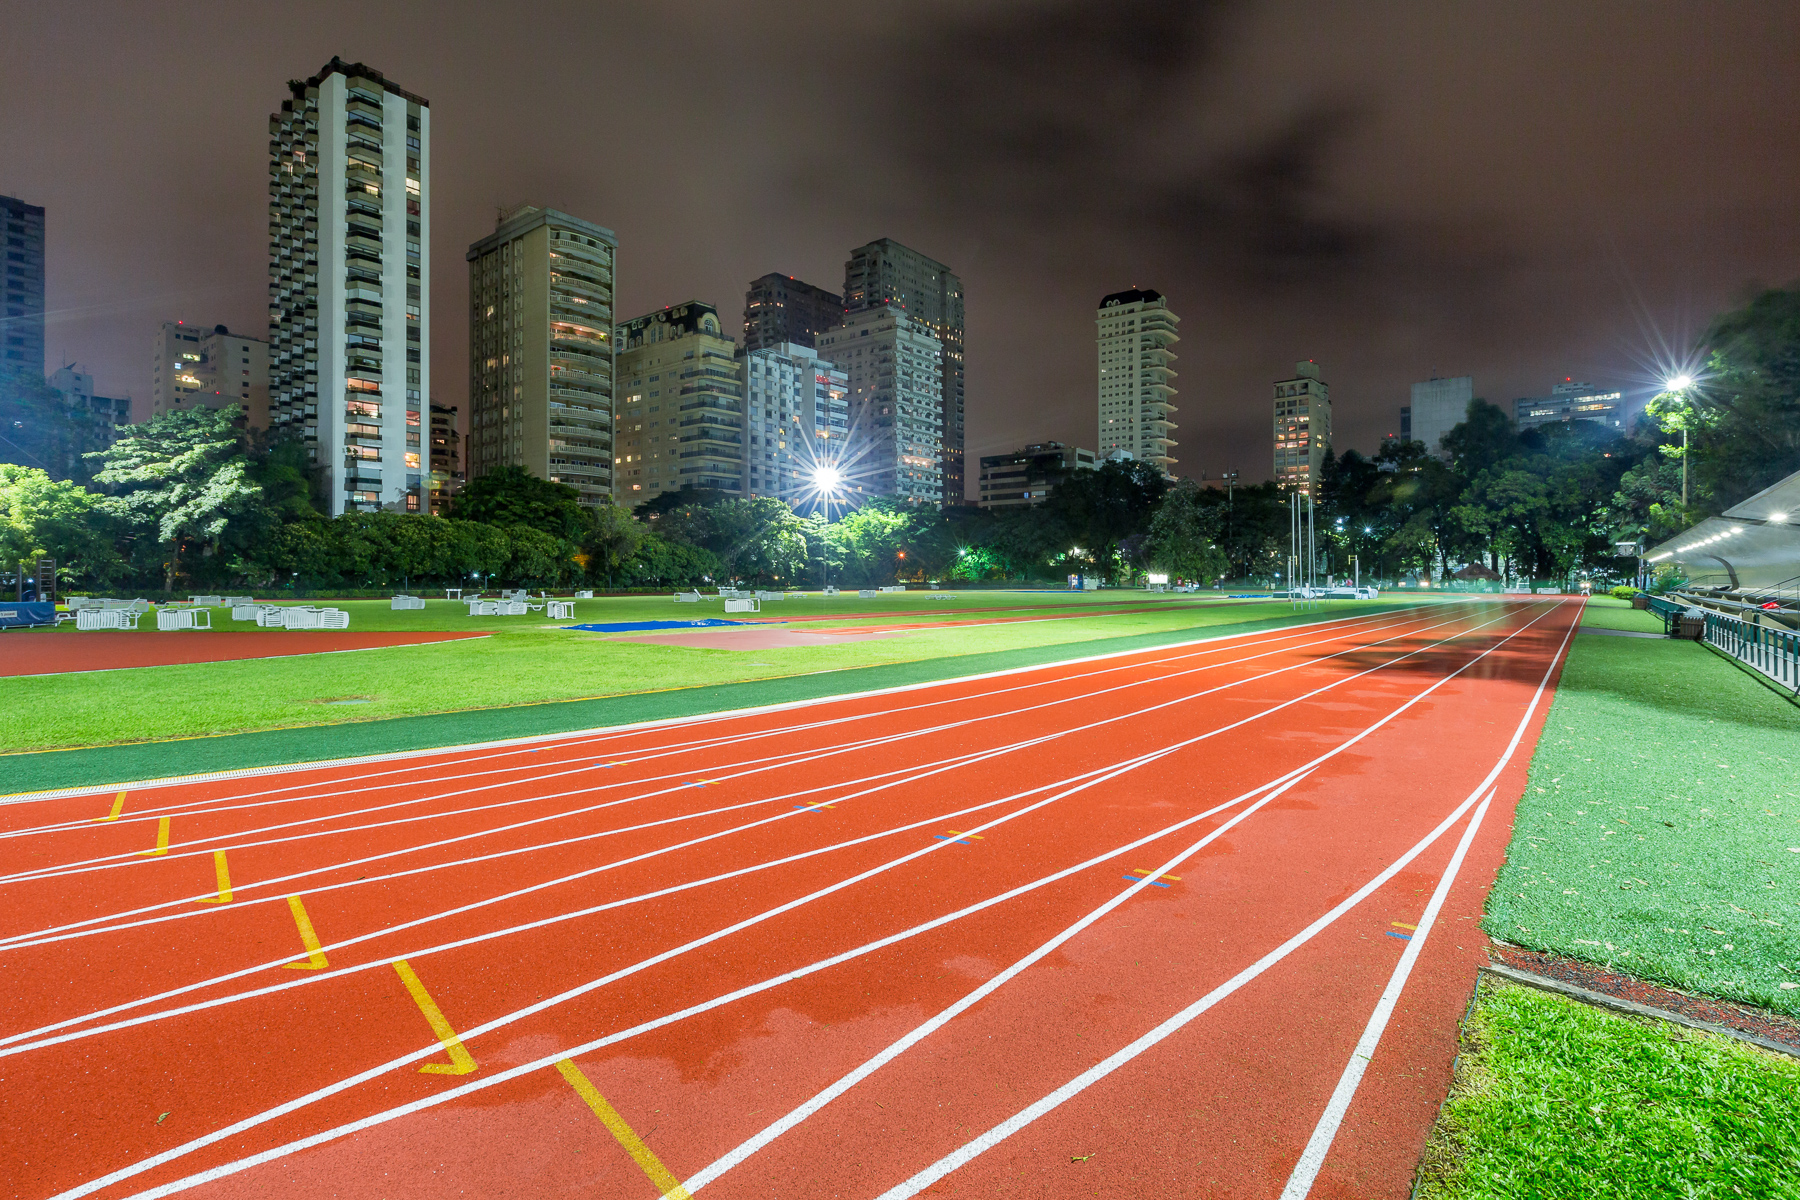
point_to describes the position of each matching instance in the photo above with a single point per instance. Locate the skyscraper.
(22, 289)
(886, 274)
(780, 308)
(1134, 330)
(799, 422)
(194, 365)
(444, 459)
(894, 369)
(1302, 428)
(1438, 406)
(350, 282)
(541, 353)
(681, 412)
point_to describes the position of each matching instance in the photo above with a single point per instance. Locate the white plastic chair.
(561, 610)
(335, 618)
(687, 597)
(751, 605)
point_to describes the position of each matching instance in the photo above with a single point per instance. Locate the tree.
(177, 479)
(1100, 508)
(1183, 536)
(41, 515)
(612, 541)
(513, 496)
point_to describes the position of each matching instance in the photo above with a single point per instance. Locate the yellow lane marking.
(162, 840)
(634, 1145)
(117, 808)
(1142, 871)
(224, 876)
(1403, 925)
(461, 1061)
(315, 957)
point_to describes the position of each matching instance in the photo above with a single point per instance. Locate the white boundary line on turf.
(999, 1133)
(1121, 765)
(720, 714)
(1318, 1145)
(227, 1169)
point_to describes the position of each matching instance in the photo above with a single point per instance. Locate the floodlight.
(827, 478)
(1680, 383)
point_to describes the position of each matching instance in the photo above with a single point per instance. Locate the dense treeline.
(183, 502)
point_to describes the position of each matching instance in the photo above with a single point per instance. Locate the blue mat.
(637, 626)
(1250, 596)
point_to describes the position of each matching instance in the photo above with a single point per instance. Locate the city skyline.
(1446, 268)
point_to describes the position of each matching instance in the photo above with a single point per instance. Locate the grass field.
(529, 661)
(1556, 1098)
(1660, 828)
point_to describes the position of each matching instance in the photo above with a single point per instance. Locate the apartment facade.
(350, 282)
(211, 367)
(22, 288)
(1571, 401)
(893, 367)
(1438, 406)
(681, 420)
(541, 351)
(884, 274)
(1134, 333)
(1302, 429)
(798, 411)
(1028, 476)
(77, 388)
(444, 456)
(779, 309)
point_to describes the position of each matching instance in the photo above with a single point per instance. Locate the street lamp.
(826, 480)
(1679, 386)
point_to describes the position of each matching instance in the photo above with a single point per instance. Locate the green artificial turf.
(644, 682)
(1554, 1098)
(1660, 827)
(1604, 612)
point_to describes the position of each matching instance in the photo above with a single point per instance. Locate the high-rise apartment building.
(681, 412)
(194, 365)
(22, 289)
(1028, 476)
(541, 353)
(1302, 428)
(1438, 406)
(1571, 401)
(350, 282)
(1134, 333)
(894, 369)
(444, 458)
(799, 422)
(885, 274)
(781, 309)
(77, 388)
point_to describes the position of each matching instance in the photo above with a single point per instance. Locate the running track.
(1124, 927)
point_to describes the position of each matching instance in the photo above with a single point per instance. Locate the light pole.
(1678, 386)
(826, 480)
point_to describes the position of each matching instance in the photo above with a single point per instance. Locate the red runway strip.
(58, 652)
(1221, 1106)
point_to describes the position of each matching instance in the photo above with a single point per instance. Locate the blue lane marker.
(1405, 937)
(641, 626)
(1139, 879)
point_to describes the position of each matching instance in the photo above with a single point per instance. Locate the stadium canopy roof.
(1751, 545)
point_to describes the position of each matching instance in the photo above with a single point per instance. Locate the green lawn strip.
(1604, 612)
(960, 654)
(1660, 821)
(1554, 1098)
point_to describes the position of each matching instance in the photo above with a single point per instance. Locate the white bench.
(587, 595)
(113, 618)
(867, 594)
(234, 601)
(940, 596)
(898, 587)
(829, 591)
(406, 603)
(183, 618)
(1556, 591)
(750, 605)
(307, 617)
(210, 601)
(687, 597)
(560, 610)
(514, 594)
(771, 595)
(483, 608)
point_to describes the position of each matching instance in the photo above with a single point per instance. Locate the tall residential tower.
(681, 407)
(193, 366)
(780, 308)
(22, 289)
(350, 282)
(884, 274)
(894, 370)
(1302, 428)
(541, 350)
(1135, 331)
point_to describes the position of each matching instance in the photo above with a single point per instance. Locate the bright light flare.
(1679, 383)
(827, 478)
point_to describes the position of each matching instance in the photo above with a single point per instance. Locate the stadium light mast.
(826, 480)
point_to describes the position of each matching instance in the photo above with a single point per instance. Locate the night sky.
(1518, 191)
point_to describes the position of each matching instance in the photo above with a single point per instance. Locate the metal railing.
(1773, 652)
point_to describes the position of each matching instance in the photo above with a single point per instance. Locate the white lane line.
(993, 1137)
(660, 1022)
(552, 920)
(1318, 1145)
(207, 845)
(638, 727)
(921, 1032)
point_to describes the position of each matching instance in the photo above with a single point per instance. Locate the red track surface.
(56, 652)
(706, 883)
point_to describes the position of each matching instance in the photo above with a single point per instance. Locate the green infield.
(1604, 612)
(530, 662)
(1553, 1098)
(1659, 833)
